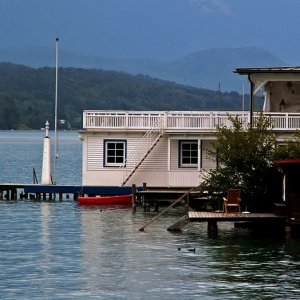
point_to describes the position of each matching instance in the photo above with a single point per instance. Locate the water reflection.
(63, 251)
(59, 250)
(105, 247)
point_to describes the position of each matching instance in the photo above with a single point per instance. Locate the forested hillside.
(27, 95)
(203, 69)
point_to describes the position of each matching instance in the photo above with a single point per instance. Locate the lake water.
(58, 250)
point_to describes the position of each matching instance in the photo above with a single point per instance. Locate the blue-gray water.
(58, 250)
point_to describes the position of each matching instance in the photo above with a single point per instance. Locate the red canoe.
(122, 199)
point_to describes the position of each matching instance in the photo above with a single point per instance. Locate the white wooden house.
(169, 148)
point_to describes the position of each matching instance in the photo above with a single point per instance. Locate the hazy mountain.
(27, 95)
(208, 68)
(205, 69)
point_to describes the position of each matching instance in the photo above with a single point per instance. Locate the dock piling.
(133, 198)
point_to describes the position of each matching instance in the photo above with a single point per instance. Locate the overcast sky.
(156, 29)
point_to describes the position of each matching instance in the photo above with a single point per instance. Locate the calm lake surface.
(58, 250)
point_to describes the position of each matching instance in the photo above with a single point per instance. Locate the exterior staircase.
(136, 157)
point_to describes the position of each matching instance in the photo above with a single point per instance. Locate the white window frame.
(116, 155)
(181, 156)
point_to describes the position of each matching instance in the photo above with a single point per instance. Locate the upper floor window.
(188, 153)
(114, 152)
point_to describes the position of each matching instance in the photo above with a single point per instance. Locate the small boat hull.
(98, 200)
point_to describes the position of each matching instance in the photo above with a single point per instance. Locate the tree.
(290, 148)
(245, 158)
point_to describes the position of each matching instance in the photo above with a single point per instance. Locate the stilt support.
(212, 228)
(133, 198)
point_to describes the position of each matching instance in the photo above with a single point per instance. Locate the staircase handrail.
(152, 134)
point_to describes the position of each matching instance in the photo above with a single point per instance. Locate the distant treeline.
(27, 95)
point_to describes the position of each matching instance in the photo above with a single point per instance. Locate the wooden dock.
(261, 221)
(203, 216)
(156, 196)
(14, 191)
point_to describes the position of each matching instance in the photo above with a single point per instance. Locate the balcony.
(195, 121)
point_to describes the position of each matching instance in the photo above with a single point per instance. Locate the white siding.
(174, 154)
(153, 170)
(207, 162)
(95, 173)
(157, 159)
(94, 153)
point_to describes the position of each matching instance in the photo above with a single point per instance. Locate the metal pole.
(55, 122)
(219, 96)
(251, 100)
(243, 100)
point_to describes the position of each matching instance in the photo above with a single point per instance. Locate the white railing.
(184, 120)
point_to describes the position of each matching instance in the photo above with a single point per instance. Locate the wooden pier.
(203, 216)
(260, 221)
(157, 196)
(14, 191)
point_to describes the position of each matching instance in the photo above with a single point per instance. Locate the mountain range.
(209, 69)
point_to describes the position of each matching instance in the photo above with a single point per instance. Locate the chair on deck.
(233, 201)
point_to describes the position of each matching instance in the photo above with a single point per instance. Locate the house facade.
(170, 148)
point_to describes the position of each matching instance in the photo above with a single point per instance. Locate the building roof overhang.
(270, 74)
(276, 70)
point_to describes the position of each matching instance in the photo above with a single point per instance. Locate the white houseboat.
(169, 148)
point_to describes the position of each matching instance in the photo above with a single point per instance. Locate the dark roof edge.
(247, 71)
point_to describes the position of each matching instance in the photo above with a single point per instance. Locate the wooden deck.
(203, 216)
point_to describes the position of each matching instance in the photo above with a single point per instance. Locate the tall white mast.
(46, 169)
(55, 128)
(243, 99)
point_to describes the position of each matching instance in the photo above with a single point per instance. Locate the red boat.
(120, 199)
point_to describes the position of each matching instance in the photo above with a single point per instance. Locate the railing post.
(164, 123)
(249, 119)
(126, 120)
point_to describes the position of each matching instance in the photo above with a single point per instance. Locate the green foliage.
(290, 149)
(245, 157)
(27, 95)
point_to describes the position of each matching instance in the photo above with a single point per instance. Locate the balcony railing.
(194, 120)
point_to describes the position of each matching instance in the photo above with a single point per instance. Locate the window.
(188, 153)
(114, 152)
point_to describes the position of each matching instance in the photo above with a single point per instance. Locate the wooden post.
(147, 206)
(60, 196)
(1, 195)
(156, 206)
(144, 198)
(144, 186)
(14, 194)
(187, 203)
(212, 228)
(133, 198)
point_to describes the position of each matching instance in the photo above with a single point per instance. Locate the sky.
(163, 30)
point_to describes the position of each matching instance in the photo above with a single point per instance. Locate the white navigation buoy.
(46, 169)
